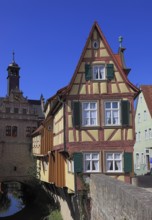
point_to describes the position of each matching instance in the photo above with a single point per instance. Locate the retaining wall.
(112, 199)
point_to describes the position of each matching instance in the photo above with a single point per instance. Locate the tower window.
(14, 131)
(8, 130)
(8, 110)
(16, 110)
(24, 111)
(11, 131)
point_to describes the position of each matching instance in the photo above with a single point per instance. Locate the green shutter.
(78, 162)
(110, 71)
(127, 162)
(76, 114)
(88, 73)
(125, 112)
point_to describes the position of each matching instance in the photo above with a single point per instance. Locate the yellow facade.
(58, 128)
(43, 169)
(69, 178)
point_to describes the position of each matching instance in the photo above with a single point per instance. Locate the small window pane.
(87, 165)
(95, 156)
(87, 156)
(109, 156)
(92, 105)
(85, 105)
(115, 104)
(117, 156)
(108, 105)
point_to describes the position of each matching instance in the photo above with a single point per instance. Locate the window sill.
(99, 80)
(91, 172)
(114, 172)
(116, 126)
(90, 127)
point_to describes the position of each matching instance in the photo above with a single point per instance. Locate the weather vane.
(120, 39)
(13, 56)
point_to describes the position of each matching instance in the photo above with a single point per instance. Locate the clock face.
(95, 44)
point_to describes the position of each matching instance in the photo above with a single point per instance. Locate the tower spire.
(13, 75)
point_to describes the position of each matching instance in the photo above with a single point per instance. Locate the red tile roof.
(147, 92)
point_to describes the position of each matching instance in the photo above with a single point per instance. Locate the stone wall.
(142, 181)
(115, 200)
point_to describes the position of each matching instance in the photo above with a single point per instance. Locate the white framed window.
(112, 113)
(137, 161)
(99, 72)
(89, 113)
(113, 161)
(150, 133)
(147, 151)
(70, 166)
(146, 134)
(145, 115)
(139, 136)
(142, 158)
(139, 118)
(91, 162)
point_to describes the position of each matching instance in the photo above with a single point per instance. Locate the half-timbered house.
(92, 119)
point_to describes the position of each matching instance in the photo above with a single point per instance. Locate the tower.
(13, 76)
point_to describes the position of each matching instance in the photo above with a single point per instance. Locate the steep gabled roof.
(147, 93)
(116, 58)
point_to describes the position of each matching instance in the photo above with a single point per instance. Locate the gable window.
(99, 72)
(89, 113)
(91, 162)
(113, 162)
(112, 113)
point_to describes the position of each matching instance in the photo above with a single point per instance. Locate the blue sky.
(48, 37)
